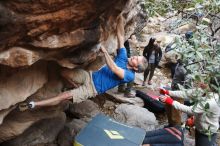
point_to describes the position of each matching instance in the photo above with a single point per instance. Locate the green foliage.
(163, 6)
(201, 48)
(154, 7)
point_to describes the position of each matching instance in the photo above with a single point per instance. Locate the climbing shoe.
(26, 105)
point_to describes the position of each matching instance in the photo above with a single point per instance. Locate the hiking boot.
(26, 105)
(121, 88)
(149, 83)
(130, 94)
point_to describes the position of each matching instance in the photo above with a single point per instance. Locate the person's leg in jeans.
(203, 140)
(152, 68)
(160, 136)
(167, 144)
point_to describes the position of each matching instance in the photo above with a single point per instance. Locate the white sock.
(32, 104)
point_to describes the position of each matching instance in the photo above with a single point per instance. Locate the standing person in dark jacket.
(152, 52)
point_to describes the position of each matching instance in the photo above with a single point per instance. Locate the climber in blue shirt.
(121, 70)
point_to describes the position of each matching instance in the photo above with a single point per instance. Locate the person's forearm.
(186, 94)
(110, 63)
(183, 108)
(178, 94)
(120, 32)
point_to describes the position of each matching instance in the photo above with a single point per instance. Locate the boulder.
(66, 136)
(17, 122)
(84, 110)
(135, 116)
(121, 98)
(42, 132)
(185, 28)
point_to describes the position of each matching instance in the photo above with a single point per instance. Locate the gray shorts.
(84, 79)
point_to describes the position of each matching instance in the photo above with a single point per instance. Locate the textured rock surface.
(85, 110)
(41, 132)
(34, 30)
(66, 136)
(135, 116)
(17, 122)
(21, 85)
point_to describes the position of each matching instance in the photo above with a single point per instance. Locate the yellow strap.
(113, 134)
(77, 144)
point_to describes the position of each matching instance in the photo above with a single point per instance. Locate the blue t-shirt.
(104, 79)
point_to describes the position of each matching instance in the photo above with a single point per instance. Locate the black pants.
(172, 69)
(203, 140)
(150, 68)
(163, 137)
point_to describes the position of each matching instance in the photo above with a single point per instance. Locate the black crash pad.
(103, 131)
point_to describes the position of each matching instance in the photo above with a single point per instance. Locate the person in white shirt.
(205, 109)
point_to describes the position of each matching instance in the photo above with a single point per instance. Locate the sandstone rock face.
(21, 85)
(34, 30)
(66, 32)
(41, 132)
(17, 122)
(17, 56)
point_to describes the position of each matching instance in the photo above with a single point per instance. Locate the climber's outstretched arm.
(120, 31)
